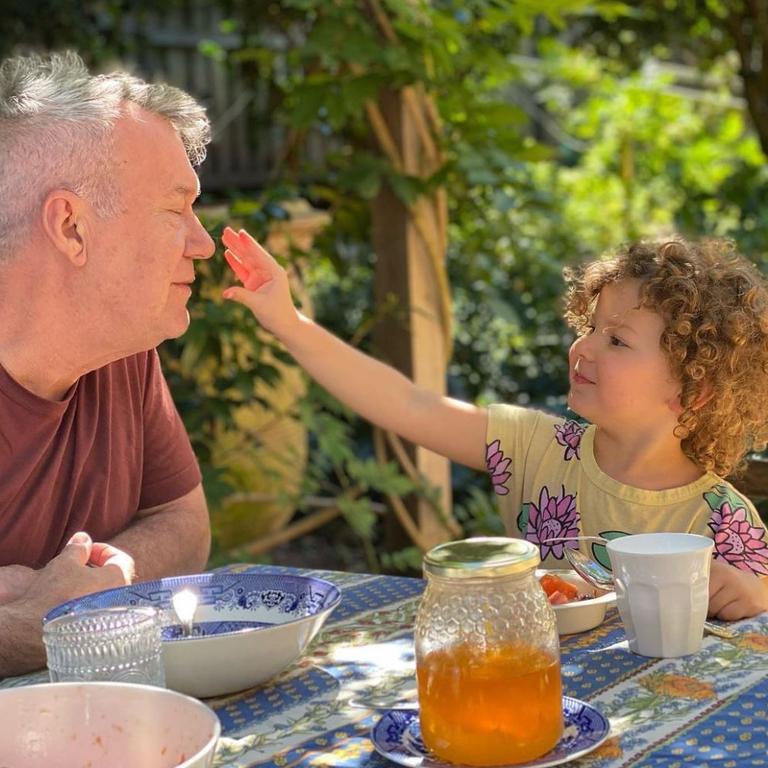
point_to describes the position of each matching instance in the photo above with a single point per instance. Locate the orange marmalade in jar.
(487, 655)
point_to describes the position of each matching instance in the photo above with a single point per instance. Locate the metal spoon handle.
(720, 631)
(576, 538)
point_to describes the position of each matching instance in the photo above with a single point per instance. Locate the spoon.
(599, 576)
(185, 605)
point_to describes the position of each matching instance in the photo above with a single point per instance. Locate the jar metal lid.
(481, 557)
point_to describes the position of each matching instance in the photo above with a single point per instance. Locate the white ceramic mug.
(662, 590)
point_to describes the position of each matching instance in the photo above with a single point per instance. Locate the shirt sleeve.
(170, 469)
(508, 442)
(740, 535)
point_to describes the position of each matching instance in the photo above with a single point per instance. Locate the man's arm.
(82, 567)
(169, 539)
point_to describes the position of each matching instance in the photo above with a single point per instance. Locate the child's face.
(620, 377)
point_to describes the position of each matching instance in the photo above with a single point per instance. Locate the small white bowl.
(101, 725)
(248, 627)
(580, 615)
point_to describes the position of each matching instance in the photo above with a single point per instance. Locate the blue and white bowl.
(248, 626)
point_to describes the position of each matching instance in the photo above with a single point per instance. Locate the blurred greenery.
(568, 128)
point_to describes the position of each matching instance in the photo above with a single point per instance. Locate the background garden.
(563, 129)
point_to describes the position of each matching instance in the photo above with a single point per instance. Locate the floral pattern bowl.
(248, 626)
(580, 615)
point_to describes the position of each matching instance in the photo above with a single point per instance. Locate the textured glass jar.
(487, 655)
(118, 644)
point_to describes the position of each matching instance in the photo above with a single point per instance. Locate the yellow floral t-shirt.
(548, 484)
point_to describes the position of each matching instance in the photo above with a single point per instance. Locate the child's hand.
(735, 594)
(266, 292)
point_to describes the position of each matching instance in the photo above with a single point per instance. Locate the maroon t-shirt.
(114, 445)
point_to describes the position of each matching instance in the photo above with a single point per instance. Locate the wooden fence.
(167, 46)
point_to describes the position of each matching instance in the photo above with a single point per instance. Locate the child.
(670, 367)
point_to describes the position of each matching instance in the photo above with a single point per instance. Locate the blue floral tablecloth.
(707, 709)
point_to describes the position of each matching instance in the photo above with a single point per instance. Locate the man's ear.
(64, 224)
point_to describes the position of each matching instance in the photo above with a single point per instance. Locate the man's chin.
(181, 326)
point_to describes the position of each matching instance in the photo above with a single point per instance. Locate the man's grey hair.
(56, 123)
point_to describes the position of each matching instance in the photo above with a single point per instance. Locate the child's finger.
(229, 237)
(240, 295)
(254, 253)
(242, 272)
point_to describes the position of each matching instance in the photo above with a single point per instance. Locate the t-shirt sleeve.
(509, 439)
(170, 468)
(740, 535)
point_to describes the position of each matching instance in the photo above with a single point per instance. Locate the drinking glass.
(662, 590)
(118, 644)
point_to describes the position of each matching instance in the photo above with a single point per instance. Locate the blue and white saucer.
(397, 736)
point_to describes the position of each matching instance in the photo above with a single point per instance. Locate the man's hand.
(106, 556)
(80, 568)
(15, 580)
(735, 594)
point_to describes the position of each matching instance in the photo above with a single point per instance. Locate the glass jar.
(487, 654)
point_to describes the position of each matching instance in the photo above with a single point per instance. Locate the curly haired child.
(669, 369)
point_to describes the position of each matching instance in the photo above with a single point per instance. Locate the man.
(97, 246)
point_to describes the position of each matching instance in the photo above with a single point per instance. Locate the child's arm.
(376, 391)
(735, 594)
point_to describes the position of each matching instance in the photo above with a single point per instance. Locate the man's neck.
(48, 364)
(39, 376)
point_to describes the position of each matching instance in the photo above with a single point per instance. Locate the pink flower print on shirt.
(568, 434)
(737, 541)
(497, 464)
(553, 516)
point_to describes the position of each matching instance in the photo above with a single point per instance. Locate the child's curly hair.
(714, 304)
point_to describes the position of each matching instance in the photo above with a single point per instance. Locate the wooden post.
(412, 337)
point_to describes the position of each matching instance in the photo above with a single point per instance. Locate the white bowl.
(104, 725)
(248, 626)
(580, 615)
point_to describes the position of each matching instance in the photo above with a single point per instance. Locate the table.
(711, 708)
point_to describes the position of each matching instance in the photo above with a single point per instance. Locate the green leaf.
(359, 514)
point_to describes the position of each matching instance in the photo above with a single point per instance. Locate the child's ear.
(706, 393)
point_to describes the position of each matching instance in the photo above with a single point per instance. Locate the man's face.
(142, 259)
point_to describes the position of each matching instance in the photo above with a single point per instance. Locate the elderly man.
(98, 240)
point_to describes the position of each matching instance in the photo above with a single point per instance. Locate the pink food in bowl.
(104, 725)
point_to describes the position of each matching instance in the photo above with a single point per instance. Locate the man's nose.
(200, 243)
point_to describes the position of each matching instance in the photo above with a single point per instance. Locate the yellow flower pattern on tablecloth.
(677, 686)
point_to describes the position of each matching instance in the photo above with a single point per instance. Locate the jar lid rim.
(482, 557)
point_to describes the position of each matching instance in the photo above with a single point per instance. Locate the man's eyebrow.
(185, 191)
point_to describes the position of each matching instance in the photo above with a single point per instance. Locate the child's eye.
(588, 329)
(615, 341)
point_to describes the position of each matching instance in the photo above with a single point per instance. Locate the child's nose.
(584, 346)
